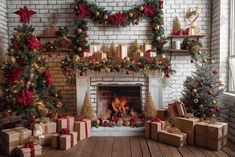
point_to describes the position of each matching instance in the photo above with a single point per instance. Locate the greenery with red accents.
(150, 8)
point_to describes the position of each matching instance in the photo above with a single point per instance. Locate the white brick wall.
(172, 8)
(3, 26)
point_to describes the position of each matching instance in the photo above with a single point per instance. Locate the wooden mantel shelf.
(185, 36)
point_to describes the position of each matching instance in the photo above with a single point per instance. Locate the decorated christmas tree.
(149, 107)
(176, 25)
(28, 89)
(202, 90)
(87, 108)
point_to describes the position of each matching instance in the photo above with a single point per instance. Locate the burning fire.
(120, 105)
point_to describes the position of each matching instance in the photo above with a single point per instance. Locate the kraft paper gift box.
(175, 139)
(65, 141)
(163, 114)
(83, 128)
(63, 123)
(152, 129)
(24, 134)
(211, 136)
(122, 51)
(187, 125)
(10, 139)
(28, 152)
(177, 109)
(49, 127)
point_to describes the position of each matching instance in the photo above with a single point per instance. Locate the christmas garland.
(150, 8)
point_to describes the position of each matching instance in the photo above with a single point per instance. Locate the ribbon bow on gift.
(62, 115)
(32, 149)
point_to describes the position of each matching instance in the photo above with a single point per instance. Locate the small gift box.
(83, 128)
(29, 150)
(146, 47)
(122, 51)
(64, 141)
(49, 127)
(163, 114)
(211, 136)
(175, 139)
(187, 125)
(64, 122)
(153, 127)
(177, 109)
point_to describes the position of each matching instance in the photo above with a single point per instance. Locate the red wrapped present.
(152, 128)
(177, 109)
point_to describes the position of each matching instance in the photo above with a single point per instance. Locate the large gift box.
(83, 128)
(175, 139)
(177, 109)
(24, 134)
(187, 125)
(211, 136)
(66, 122)
(29, 150)
(153, 127)
(163, 114)
(49, 127)
(64, 141)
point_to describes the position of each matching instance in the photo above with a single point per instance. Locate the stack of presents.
(62, 133)
(185, 129)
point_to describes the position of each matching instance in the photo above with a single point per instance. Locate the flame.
(120, 105)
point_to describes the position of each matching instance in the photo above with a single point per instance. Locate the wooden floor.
(133, 147)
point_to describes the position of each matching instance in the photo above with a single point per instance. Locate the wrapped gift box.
(163, 114)
(100, 55)
(211, 136)
(49, 127)
(187, 125)
(67, 122)
(177, 109)
(10, 137)
(150, 54)
(65, 141)
(83, 128)
(175, 139)
(22, 151)
(122, 51)
(24, 134)
(152, 129)
(146, 47)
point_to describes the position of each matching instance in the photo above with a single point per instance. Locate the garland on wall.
(150, 8)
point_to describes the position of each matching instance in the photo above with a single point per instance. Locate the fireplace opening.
(119, 100)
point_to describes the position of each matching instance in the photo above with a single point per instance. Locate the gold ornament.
(79, 30)
(214, 102)
(44, 111)
(163, 55)
(204, 60)
(97, 13)
(157, 27)
(196, 101)
(79, 49)
(131, 14)
(106, 17)
(76, 58)
(12, 60)
(107, 70)
(141, 8)
(191, 15)
(158, 38)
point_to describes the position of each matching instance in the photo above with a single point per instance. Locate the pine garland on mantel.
(149, 9)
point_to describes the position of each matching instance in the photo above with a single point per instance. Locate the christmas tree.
(149, 107)
(176, 25)
(202, 90)
(28, 89)
(87, 108)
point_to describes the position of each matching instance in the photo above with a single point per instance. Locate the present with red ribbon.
(83, 128)
(163, 114)
(64, 140)
(30, 149)
(177, 138)
(177, 109)
(65, 122)
(152, 128)
(49, 127)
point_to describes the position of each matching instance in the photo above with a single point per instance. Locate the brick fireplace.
(104, 87)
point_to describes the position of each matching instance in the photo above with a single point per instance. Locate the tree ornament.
(130, 14)
(127, 59)
(58, 105)
(128, 72)
(97, 13)
(79, 49)
(25, 14)
(196, 101)
(157, 27)
(194, 90)
(76, 58)
(163, 55)
(192, 61)
(214, 102)
(82, 73)
(204, 60)
(12, 60)
(158, 38)
(215, 72)
(201, 106)
(56, 95)
(141, 8)
(79, 30)
(150, 110)
(107, 70)
(106, 17)
(209, 92)
(200, 84)
(168, 67)
(168, 75)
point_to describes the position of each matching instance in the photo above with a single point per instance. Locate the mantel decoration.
(79, 44)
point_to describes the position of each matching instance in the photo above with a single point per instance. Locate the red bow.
(62, 115)
(25, 14)
(31, 146)
(64, 131)
(78, 118)
(155, 120)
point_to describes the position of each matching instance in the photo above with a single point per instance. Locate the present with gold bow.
(152, 128)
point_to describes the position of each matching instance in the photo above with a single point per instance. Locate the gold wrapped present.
(66, 122)
(187, 125)
(29, 150)
(49, 127)
(175, 139)
(211, 136)
(163, 114)
(152, 128)
(83, 128)
(64, 141)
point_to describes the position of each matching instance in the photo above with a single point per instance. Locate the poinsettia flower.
(49, 79)
(13, 74)
(84, 11)
(25, 98)
(149, 10)
(33, 43)
(119, 19)
(25, 14)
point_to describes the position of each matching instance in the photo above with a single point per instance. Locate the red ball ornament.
(215, 72)
(56, 95)
(71, 74)
(209, 92)
(66, 69)
(192, 61)
(128, 72)
(161, 6)
(5, 114)
(33, 117)
(217, 109)
(137, 23)
(211, 110)
(168, 67)
(58, 105)
(200, 84)
(168, 75)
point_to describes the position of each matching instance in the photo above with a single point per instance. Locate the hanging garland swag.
(150, 8)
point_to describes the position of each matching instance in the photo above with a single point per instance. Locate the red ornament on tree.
(66, 69)
(25, 14)
(58, 105)
(168, 75)
(209, 92)
(128, 72)
(149, 10)
(82, 73)
(211, 110)
(215, 72)
(4, 114)
(33, 43)
(13, 74)
(56, 95)
(200, 84)
(168, 67)
(190, 43)
(119, 19)
(192, 61)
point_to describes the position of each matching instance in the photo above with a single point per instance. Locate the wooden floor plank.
(144, 147)
(231, 145)
(135, 147)
(197, 152)
(153, 148)
(164, 150)
(221, 153)
(108, 147)
(229, 151)
(126, 146)
(97, 152)
(117, 147)
(79, 147)
(174, 151)
(185, 151)
(207, 152)
(89, 147)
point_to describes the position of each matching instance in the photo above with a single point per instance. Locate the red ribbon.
(65, 131)
(32, 149)
(158, 120)
(81, 119)
(64, 116)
